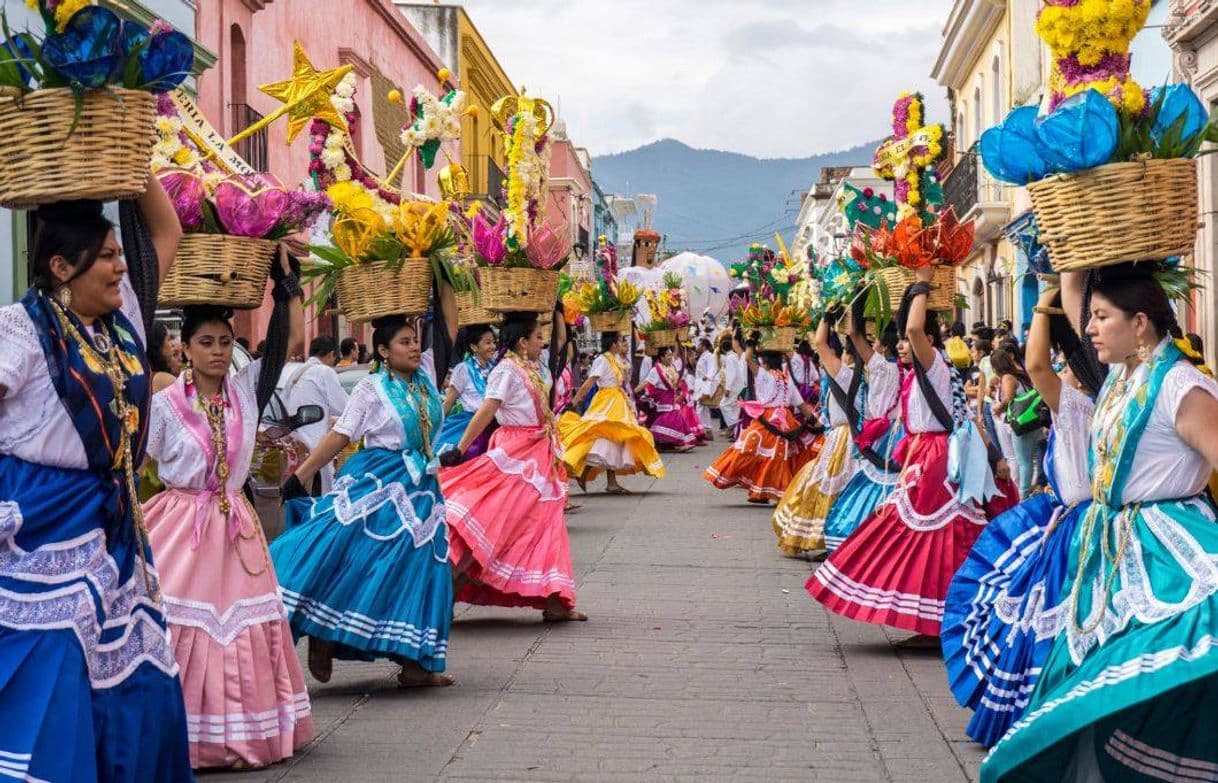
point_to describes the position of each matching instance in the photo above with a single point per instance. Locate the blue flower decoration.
(1178, 100)
(1079, 134)
(1009, 151)
(89, 50)
(165, 58)
(14, 49)
(96, 45)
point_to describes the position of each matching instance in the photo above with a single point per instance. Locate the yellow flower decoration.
(66, 10)
(349, 197)
(419, 225)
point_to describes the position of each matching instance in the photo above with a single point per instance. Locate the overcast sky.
(772, 78)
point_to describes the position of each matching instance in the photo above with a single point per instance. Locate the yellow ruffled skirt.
(608, 437)
(799, 520)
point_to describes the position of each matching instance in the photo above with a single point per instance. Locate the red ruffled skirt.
(896, 568)
(506, 529)
(761, 461)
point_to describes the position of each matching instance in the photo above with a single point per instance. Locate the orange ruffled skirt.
(761, 461)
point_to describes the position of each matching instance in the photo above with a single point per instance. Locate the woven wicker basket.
(942, 286)
(782, 339)
(518, 289)
(470, 311)
(218, 269)
(1119, 212)
(664, 338)
(613, 321)
(370, 291)
(105, 158)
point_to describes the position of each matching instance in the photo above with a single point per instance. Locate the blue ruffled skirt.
(1005, 607)
(366, 566)
(869, 487)
(88, 682)
(453, 429)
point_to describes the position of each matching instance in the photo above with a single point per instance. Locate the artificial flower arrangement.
(668, 309)
(411, 246)
(93, 75)
(332, 157)
(1102, 151)
(911, 169)
(210, 200)
(433, 119)
(763, 268)
(525, 122)
(88, 47)
(607, 301)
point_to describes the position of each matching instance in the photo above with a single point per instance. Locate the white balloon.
(706, 282)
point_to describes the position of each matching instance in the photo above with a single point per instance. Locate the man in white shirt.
(316, 383)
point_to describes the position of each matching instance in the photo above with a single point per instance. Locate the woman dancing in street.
(1005, 605)
(90, 687)
(799, 520)
(364, 568)
(666, 391)
(246, 703)
(608, 436)
(895, 569)
(775, 445)
(508, 537)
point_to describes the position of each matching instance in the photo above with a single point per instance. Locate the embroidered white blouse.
(369, 415)
(34, 425)
(181, 462)
(770, 392)
(918, 414)
(605, 377)
(1164, 466)
(516, 407)
(883, 386)
(467, 393)
(1071, 434)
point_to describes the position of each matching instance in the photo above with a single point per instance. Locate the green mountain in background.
(715, 202)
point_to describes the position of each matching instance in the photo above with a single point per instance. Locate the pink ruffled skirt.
(245, 694)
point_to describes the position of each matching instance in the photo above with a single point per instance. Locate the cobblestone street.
(704, 659)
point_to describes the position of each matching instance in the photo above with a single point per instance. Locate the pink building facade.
(568, 202)
(254, 41)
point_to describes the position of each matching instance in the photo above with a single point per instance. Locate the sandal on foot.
(619, 490)
(565, 616)
(572, 507)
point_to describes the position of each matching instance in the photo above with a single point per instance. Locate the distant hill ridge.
(717, 202)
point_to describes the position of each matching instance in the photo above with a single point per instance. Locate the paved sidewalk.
(704, 659)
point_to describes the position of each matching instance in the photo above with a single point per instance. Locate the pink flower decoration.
(250, 209)
(186, 192)
(546, 247)
(490, 242)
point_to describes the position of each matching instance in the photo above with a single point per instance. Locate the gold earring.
(63, 295)
(1143, 352)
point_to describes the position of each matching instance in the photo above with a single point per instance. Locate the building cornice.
(968, 30)
(1187, 27)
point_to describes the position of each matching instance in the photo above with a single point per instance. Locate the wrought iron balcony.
(960, 187)
(253, 148)
(975, 195)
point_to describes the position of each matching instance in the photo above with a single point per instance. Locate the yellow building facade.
(990, 61)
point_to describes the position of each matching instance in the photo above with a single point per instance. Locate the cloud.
(772, 78)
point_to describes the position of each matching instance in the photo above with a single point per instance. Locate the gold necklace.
(128, 415)
(217, 424)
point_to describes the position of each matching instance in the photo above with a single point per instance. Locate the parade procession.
(350, 429)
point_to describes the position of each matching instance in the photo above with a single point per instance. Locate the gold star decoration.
(306, 95)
